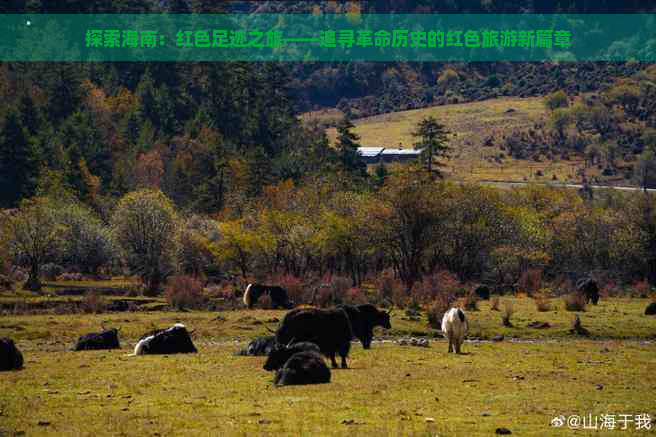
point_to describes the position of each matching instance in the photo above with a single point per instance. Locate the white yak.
(454, 327)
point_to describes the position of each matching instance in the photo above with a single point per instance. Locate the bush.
(471, 302)
(184, 292)
(542, 304)
(440, 283)
(339, 285)
(296, 289)
(555, 100)
(93, 303)
(51, 271)
(436, 311)
(641, 289)
(447, 77)
(530, 281)
(388, 286)
(6, 282)
(575, 302)
(508, 311)
(355, 296)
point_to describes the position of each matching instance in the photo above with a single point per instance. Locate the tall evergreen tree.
(347, 148)
(432, 140)
(18, 162)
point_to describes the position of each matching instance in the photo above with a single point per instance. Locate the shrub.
(436, 311)
(542, 303)
(530, 281)
(322, 296)
(508, 311)
(575, 302)
(388, 286)
(641, 289)
(93, 303)
(355, 296)
(447, 77)
(50, 271)
(184, 292)
(295, 287)
(471, 302)
(555, 100)
(494, 304)
(6, 282)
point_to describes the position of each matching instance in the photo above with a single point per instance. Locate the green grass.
(471, 123)
(614, 318)
(389, 390)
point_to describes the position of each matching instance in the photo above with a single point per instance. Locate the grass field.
(391, 389)
(471, 124)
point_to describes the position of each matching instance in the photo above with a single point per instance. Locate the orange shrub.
(184, 292)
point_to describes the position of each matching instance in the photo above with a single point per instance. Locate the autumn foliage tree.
(144, 224)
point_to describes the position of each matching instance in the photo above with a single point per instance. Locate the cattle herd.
(305, 335)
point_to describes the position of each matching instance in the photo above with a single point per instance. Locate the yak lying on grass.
(303, 368)
(364, 318)
(278, 295)
(651, 309)
(454, 327)
(10, 357)
(261, 346)
(482, 292)
(330, 329)
(107, 339)
(174, 340)
(281, 353)
(589, 288)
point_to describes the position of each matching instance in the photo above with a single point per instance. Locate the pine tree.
(433, 138)
(347, 146)
(18, 162)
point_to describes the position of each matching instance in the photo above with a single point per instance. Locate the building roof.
(401, 152)
(370, 151)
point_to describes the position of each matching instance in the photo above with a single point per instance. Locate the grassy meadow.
(471, 124)
(520, 383)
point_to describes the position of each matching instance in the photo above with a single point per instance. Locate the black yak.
(107, 339)
(303, 368)
(364, 318)
(10, 357)
(651, 309)
(483, 292)
(261, 346)
(589, 288)
(330, 329)
(278, 295)
(174, 340)
(281, 353)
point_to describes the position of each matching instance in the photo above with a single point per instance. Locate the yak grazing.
(482, 292)
(10, 357)
(589, 288)
(330, 329)
(260, 346)
(454, 326)
(281, 353)
(364, 318)
(107, 339)
(303, 368)
(174, 340)
(278, 295)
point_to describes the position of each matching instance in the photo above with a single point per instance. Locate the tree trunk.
(33, 283)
